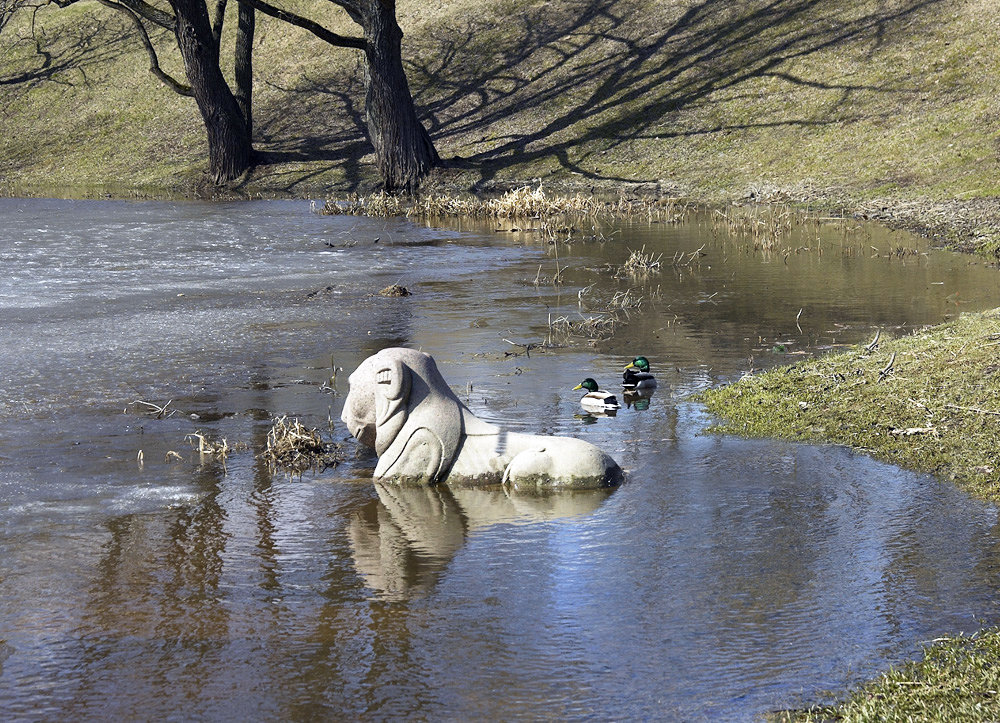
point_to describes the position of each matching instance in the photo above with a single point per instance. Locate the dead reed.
(294, 447)
(211, 448)
(519, 203)
(766, 227)
(592, 327)
(639, 263)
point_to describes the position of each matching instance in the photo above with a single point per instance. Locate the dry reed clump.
(209, 448)
(378, 205)
(625, 300)
(639, 263)
(524, 202)
(608, 315)
(765, 226)
(293, 446)
(591, 327)
(395, 290)
(157, 411)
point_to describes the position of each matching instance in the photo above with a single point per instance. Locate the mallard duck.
(595, 400)
(637, 375)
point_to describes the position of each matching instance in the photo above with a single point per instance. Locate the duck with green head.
(637, 375)
(595, 400)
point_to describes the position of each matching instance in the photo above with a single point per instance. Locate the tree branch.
(352, 8)
(341, 41)
(217, 21)
(154, 15)
(154, 63)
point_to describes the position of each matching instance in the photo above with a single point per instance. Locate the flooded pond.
(725, 579)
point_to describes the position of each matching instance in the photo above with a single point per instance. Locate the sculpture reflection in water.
(405, 540)
(400, 405)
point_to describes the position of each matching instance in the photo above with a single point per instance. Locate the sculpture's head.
(399, 389)
(359, 407)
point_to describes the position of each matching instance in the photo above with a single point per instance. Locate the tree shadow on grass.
(336, 107)
(568, 81)
(601, 74)
(63, 57)
(574, 80)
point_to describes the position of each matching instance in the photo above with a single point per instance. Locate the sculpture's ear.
(392, 389)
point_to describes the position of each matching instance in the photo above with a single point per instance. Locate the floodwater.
(725, 579)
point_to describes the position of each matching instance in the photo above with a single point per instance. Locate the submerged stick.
(157, 411)
(527, 347)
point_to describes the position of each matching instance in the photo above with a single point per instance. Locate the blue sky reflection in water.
(727, 578)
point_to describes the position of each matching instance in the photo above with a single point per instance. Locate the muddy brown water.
(727, 578)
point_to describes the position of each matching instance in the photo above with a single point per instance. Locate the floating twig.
(156, 410)
(527, 347)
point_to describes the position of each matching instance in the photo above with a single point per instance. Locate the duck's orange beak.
(630, 365)
(578, 386)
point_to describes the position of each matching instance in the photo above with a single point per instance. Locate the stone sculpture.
(400, 405)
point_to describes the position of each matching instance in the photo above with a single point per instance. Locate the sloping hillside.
(835, 98)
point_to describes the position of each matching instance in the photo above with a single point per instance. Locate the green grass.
(957, 680)
(936, 408)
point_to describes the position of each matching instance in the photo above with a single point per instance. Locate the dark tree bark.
(243, 71)
(404, 152)
(218, 20)
(229, 149)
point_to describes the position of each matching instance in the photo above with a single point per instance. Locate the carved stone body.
(401, 406)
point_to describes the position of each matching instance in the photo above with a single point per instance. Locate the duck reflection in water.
(638, 399)
(403, 542)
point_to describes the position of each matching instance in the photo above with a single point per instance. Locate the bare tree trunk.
(218, 19)
(404, 152)
(244, 64)
(229, 149)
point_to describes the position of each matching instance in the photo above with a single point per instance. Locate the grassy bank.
(957, 680)
(929, 401)
(886, 109)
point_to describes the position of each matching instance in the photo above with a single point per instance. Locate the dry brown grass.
(523, 203)
(294, 447)
(596, 327)
(206, 447)
(641, 264)
(766, 227)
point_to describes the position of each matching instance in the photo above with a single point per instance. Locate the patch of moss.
(929, 401)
